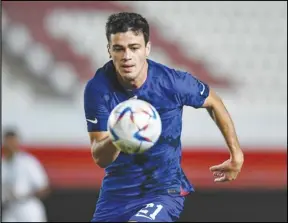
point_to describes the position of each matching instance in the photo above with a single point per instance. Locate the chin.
(128, 76)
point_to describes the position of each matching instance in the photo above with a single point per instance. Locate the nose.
(127, 55)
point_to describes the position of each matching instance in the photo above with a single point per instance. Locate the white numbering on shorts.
(145, 212)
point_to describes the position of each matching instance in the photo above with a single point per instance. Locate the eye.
(134, 48)
(117, 49)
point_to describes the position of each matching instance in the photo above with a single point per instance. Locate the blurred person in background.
(24, 183)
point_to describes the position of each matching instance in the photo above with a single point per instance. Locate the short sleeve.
(191, 91)
(96, 111)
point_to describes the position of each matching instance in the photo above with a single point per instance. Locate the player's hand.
(228, 170)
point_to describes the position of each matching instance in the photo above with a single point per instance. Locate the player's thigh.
(152, 212)
(164, 209)
(112, 216)
(110, 211)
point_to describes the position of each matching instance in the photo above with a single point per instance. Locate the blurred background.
(51, 49)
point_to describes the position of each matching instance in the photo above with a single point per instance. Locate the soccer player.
(148, 187)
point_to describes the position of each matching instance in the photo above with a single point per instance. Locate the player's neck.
(138, 82)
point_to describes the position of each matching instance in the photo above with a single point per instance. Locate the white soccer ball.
(134, 126)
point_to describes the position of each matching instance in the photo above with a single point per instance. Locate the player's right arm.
(97, 113)
(102, 149)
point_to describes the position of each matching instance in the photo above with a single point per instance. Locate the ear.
(108, 49)
(148, 48)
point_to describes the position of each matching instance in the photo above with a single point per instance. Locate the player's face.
(129, 53)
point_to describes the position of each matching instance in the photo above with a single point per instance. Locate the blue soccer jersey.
(157, 171)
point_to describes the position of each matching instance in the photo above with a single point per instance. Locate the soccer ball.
(134, 126)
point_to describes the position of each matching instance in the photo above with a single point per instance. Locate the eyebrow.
(133, 44)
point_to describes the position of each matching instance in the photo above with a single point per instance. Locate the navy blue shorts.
(162, 208)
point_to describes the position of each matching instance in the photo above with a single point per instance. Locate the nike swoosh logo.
(201, 93)
(92, 121)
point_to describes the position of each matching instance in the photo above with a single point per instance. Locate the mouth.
(127, 68)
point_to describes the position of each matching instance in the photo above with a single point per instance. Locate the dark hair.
(125, 21)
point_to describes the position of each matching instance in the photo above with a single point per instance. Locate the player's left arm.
(195, 93)
(228, 170)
